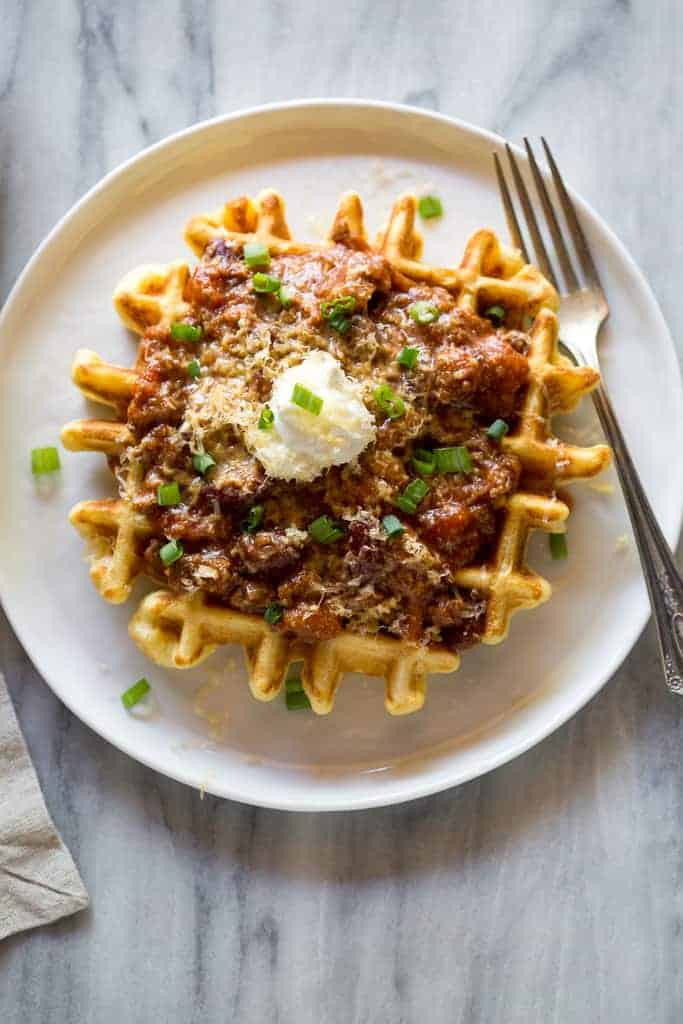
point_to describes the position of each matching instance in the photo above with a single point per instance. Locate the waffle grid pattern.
(180, 630)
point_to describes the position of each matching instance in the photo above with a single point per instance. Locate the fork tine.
(578, 236)
(532, 223)
(552, 222)
(510, 215)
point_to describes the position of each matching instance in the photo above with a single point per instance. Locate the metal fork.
(583, 311)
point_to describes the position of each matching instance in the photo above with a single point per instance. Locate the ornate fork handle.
(663, 579)
(586, 306)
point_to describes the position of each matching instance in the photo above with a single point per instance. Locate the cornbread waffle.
(181, 629)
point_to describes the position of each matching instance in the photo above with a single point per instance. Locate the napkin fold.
(39, 881)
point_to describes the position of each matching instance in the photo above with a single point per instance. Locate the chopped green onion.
(273, 613)
(408, 357)
(297, 701)
(465, 458)
(305, 399)
(412, 496)
(254, 519)
(134, 694)
(344, 304)
(286, 295)
(44, 460)
(527, 322)
(393, 526)
(256, 254)
(171, 552)
(497, 430)
(266, 419)
(265, 284)
(389, 402)
(185, 332)
(168, 494)
(339, 323)
(295, 696)
(293, 683)
(442, 460)
(453, 460)
(423, 312)
(424, 461)
(430, 206)
(496, 314)
(325, 530)
(203, 462)
(193, 368)
(558, 545)
(338, 312)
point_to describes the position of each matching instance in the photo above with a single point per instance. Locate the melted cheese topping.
(300, 445)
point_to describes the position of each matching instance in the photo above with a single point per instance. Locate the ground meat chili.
(467, 373)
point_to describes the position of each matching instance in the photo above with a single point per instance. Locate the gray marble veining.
(548, 891)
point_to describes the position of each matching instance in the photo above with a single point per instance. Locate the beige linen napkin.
(39, 882)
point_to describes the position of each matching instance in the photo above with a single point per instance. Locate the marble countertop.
(547, 891)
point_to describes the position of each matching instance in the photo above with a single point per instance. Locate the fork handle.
(662, 577)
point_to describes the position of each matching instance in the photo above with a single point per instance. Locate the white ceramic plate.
(503, 699)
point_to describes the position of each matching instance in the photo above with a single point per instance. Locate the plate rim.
(403, 790)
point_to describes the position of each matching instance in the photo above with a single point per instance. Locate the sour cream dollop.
(300, 445)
